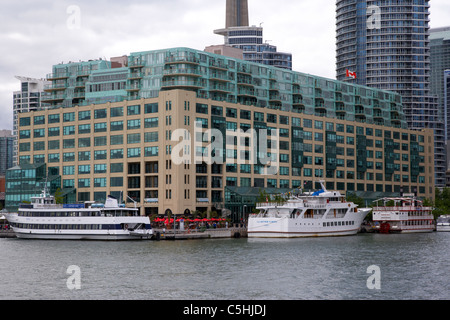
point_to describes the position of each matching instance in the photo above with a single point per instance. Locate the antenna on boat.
(135, 203)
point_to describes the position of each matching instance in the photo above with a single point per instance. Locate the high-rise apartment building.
(250, 39)
(447, 111)
(440, 61)
(6, 151)
(385, 45)
(354, 137)
(27, 99)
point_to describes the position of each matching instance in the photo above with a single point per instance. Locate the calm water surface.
(412, 267)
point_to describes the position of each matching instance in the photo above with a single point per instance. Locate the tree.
(59, 198)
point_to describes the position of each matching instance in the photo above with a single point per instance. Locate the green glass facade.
(236, 81)
(221, 79)
(28, 180)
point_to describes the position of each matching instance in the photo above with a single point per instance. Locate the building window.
(84, 156)
(117, 112)
(134, 110)
(69, 130)
(100, 114)
(116, 140)
(25, 122)
(84, 128)
(38, 120)
(84, 169)
(116, 126)
(134, 152)
(69, 117)
(39, 133)
(84, 115)
(117, 154)
(84, 183)
(69, 157)
(151, 108)
(53, 132)
(116, 182)
(100, 127)
(84, 142)
(134, 124)
(151, 123)
(100, 168)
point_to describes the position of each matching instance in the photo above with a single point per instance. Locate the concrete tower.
(237, 13)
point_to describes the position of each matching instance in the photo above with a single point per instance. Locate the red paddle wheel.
(385, 228)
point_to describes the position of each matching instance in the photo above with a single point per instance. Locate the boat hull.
(98, 228)
(92, 237)
(305, 228)
(443, 228)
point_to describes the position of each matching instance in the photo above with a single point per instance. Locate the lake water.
(413, 266)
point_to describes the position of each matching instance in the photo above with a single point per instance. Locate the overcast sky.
(36, 34)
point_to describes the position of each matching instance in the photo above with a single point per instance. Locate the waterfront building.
(29, 180)
(353, 137)
(447, 111)
(27, 99)
(239, 34)
(6, 151)
(386, 45)
(440, 61)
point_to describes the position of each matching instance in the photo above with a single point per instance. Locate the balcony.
(58, 76)
(133, 87)
(191, 84)
(182, 59)
(54, 87)
(135, 75)
(182, 72)
(53, 97)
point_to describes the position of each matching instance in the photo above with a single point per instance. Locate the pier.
(7, 234)
(220, 233)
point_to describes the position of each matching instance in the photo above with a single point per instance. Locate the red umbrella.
(198, 220)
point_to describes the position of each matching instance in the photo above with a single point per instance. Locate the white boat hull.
(443, 228)
(302, 228)
(97, 237)
(79, 228)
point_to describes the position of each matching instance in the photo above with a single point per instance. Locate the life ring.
(126, 226)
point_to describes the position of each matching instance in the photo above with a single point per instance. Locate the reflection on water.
(412, 267)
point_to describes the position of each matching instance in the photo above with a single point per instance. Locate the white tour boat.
(443, 224)
(402, 215)
(319, 214)
(44, 219)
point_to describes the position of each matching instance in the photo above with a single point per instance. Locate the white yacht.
(319, 214)
(44, 219)
(443, 224)
(402, 215)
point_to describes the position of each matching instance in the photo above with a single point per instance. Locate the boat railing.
(406, 208)
(271, 204)
(47, 206)
(316, 205)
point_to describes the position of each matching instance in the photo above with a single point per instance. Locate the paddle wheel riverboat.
(402, 215)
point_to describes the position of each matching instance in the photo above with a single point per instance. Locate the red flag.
(351, 74)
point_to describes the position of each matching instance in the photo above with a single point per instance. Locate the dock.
(7, 234)
(238, 232)
(178, 235)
